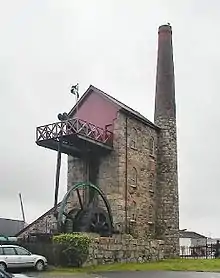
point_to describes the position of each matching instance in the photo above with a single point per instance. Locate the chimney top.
(165, 105)
(165, 28)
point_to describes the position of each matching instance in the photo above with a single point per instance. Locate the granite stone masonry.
(124, 248)
(134, 181)
(167, 170)
(137, 175)
(76, 173)
(45, 224)
(168, 200)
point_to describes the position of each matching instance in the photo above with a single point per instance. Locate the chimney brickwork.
(167, 224)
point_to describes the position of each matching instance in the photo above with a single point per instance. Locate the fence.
(53, 252)
(201, 252)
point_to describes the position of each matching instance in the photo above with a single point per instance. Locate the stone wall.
(168, 198)
(106, 250)
(165, 118)
(76, 173)
(141, 155)
(109, 177)
(135, 177)
(44, 224)
(124, 248)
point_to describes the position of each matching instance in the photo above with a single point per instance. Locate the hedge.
(75, 248)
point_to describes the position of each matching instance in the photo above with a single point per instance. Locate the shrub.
(75, 248)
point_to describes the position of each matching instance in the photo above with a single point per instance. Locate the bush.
(75, 248)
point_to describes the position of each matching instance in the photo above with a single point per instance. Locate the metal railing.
(201, 252)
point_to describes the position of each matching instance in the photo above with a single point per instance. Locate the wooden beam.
(67, 149)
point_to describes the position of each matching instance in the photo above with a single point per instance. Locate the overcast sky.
(45, 46)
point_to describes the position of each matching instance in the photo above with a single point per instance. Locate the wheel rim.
(81, 185)
(40, 266)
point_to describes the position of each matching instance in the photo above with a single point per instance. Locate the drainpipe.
(126, 175)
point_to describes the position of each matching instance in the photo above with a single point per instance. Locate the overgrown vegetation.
(75, 248)
(208, 265)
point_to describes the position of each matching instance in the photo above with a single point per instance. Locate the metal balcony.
(78, 137)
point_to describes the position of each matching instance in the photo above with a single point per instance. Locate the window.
(1, 251)
(9, 251)
(134, 137)
(134, 176)
(22, 251)
(151, 145)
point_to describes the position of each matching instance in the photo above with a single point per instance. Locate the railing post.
(206, 251)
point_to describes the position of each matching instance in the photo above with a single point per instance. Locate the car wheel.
(3, 266)
(39, 265)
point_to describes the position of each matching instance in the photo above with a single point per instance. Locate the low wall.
(104, 250)
(124, 248)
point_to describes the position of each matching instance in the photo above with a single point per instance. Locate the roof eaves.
(128, 110)
(141, 119)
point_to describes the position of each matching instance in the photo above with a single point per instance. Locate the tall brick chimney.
(167, 224)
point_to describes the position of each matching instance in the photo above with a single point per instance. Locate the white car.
(13, 256)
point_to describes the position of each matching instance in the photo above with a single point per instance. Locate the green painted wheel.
(90, 218)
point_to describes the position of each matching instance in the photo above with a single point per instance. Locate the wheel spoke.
(97, 217)
(79, 197)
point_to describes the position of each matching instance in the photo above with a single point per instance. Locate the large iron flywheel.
(87, 218)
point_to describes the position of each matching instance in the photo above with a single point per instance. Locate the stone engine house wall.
(137, 166)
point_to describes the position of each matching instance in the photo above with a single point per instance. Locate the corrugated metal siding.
(189, 234)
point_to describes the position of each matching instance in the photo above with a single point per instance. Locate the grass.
(205, 265)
